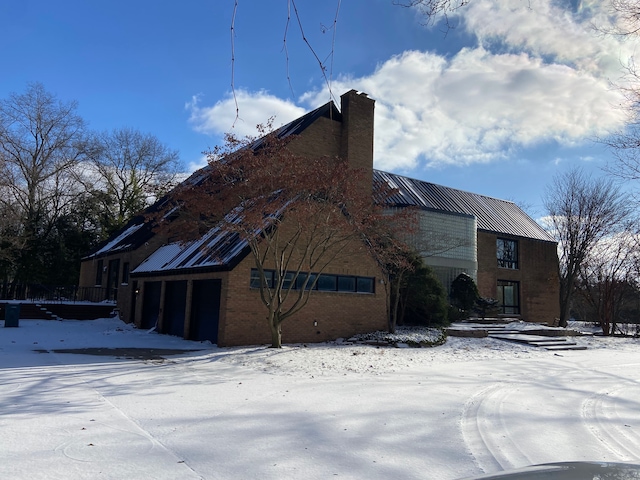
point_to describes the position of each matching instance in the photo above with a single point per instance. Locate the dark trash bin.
(12, 315)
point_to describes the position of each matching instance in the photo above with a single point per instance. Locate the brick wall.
(357, 127)
(537, 273)
(134, 258)
(326, 316)
(322, 138)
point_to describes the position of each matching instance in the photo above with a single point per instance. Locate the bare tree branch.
(582, 212)
(233, 60)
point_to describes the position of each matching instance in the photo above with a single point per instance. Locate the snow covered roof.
(122, 241)
(217, 248)
(133, 235)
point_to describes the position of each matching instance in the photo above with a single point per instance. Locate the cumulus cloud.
(194, 165)
(478, 105)
(254, 108)
(538, 73)
(557, 31)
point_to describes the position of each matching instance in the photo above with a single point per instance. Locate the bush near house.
(485, 306)
(423, 299)
(464, 294)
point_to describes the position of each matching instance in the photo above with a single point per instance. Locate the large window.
(509, 296)
(325, 283)
(507, 253)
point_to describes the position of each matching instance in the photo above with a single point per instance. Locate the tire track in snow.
(485, 432)
(600, 413)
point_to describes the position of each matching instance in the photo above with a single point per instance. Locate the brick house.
(184, 291)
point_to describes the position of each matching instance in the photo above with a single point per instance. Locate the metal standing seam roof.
(492, 214)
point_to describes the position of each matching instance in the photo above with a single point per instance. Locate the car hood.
(569, 471)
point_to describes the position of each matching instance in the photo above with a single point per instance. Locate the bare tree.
(606, 277)
(626, 14)
(625, 22)
(11, 242)
(582, 211)
(625, 147)
(129, 171)
(41, 142)
(432, 9)
(395, 257)
(297, 214)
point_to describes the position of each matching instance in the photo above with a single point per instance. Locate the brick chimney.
(357, 133)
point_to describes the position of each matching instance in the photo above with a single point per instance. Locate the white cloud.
(551, 29)
(478, 105)
(539, 73)
(194, 165)
(253, 109)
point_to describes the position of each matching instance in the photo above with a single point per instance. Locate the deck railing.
(55, 293)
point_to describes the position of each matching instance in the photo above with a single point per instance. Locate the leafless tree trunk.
(129, 170)
(41, 142)
(298, 215)
(581, 212)
(605, 276)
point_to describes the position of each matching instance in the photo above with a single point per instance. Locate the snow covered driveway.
(316, 412)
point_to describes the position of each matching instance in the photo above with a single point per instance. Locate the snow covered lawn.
(305, 412)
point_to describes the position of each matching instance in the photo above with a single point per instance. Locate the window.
(302, 277)
(328, 283)
(288, 278)
(364, 285)
(125, 273)
(99, 269)
(346, 284)
(507, 253)
(325, 282)
(509, 296)
(255, 278)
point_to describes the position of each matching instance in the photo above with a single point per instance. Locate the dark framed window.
(255, 278)
(507, 250)
(364, 284)
(99, 270)
(509, 296)
(346, 284)
(325, 282)
(328, 283)
(302, 277)
(125, 273)
(288, 278)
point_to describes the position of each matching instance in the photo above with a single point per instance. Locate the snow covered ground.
(468, 407)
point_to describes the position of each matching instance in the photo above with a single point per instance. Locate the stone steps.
(534, 335)
(554, 343)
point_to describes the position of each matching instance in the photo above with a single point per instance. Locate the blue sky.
(512, 95)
